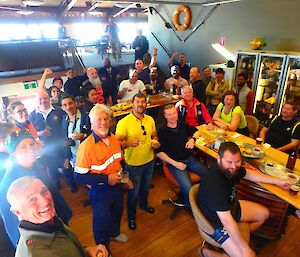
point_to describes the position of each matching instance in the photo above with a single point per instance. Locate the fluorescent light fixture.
(95, 13)
(224, 52)
(33, 2)
(25, 12)
(221, 2)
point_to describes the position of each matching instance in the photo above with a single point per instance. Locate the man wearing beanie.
(22, 148)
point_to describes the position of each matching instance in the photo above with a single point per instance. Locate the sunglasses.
(143, 128)
(22, 111)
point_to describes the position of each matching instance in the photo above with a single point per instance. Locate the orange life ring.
(187, 20)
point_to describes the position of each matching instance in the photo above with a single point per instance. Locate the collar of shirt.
(78, 115)
(97, 138)
(45, 113)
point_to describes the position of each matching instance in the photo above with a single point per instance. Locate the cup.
(124, 176)
(294, 190)
(259, 140)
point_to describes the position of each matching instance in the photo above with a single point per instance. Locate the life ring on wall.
(187, 19)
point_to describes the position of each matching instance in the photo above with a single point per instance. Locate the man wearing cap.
(42, 232)
(47, 120)
(22, 148)
(176, 82)
(183, 67)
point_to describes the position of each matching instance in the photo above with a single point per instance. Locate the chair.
(253, 125)
(174, 195)
(204, 225)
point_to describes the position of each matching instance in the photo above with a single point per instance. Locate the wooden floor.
(158, 236)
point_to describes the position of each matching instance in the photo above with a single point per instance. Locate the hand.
(154, 50)
(93, 251)
(67, 163)
(114, 179)
(137, 48)
(78, 136)
(210, 126)
(47, 71)
(44, 133)
(190, 144)
(176, 53)
(181, 166)
(129, 184)
(283, 183)
(298, 214)
(155, 144)
(125, 89)
(103, 78)
(248, 252)
(134, 142)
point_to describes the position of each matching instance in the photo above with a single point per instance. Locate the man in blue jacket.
(75, 128)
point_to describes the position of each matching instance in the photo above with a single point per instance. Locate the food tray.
(247, 150)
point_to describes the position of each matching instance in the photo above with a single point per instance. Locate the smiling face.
(43, 100)
(229, 101)
(230, 163)
(171, 116)
(288, 112)
(139, 105)
(100, 124)
(139, 65)
(207, 72)
(25, 152)
(69, 106)
(187, 93)
(55, 92)
(21, 114)
(33, 203)
(134, 78)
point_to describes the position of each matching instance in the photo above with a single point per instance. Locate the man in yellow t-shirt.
(138, 135)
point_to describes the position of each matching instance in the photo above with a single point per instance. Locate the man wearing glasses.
(137, 132)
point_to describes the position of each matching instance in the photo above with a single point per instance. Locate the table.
(154, 101)
(273, 197)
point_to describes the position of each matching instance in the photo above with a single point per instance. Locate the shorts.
(220, 235)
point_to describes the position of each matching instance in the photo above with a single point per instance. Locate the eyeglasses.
(22, 111)
(143, 128)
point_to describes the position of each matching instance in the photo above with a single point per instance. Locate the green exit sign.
(30, 85)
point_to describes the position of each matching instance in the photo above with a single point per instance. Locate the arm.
(153, 58)
(250, 101)
(258, 177)
(171, 60)
(291, 146)
(232, 228)
(42, 81)
(263, 132)
(205, 114)
(210, 89)
(164, 157)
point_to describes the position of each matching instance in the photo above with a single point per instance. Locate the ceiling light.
(95, 13)
(25, 12)
(33, 2)
(221, 2)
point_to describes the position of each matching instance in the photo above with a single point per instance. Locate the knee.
(265, 213)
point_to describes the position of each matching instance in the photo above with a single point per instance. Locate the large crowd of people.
(69, 132)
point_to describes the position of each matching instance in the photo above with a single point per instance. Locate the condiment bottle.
(291, 160)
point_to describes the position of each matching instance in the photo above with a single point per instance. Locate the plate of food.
(278, 171)
(121, 107)
(250, 151)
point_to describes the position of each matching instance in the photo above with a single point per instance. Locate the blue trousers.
(141, 176)
(107, 204)
(183, 178)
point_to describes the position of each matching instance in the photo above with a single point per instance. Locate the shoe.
(148, 209)
(132, 224)
(121, 238)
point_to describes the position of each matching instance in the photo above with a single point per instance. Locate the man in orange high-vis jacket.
(98, 164)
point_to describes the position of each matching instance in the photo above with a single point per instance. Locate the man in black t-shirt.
(183, 66)
(177, 139)
(73, 83)
(283, 132)
(219, 204)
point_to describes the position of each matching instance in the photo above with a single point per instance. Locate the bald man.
(103, 96)
(198, 85)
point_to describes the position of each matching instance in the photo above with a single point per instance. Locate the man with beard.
(197, 85)
(109, 76)
(138, 135)
(245, 94)
(183, 67)
(176, 82)
(98, 164)
(155, 84)
(94, 81)
(219, 204)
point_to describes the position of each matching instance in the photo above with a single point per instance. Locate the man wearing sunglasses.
(137, 132)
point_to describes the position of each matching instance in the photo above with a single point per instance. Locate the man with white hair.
(130, 87)
(42, 232)
(47, 121)
(94, 81)
(98, 164)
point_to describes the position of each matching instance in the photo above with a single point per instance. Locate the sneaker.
(121, 238)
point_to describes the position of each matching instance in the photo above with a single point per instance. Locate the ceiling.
(63, 8)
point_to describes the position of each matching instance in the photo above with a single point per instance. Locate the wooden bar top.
(271, 154)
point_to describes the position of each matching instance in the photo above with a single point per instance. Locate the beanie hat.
(15, 138)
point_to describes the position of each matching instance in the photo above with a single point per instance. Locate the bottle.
(291, 160)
